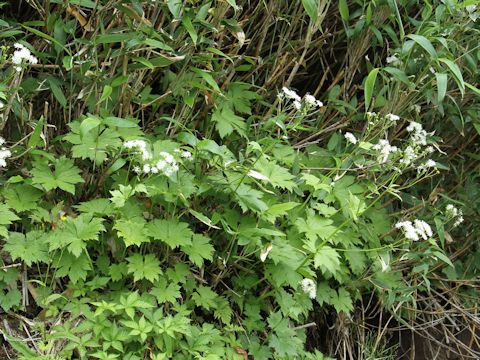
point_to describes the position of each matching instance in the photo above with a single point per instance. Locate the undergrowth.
(237, 179)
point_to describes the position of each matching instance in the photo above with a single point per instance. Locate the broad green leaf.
(327, 259)
(166, 292)
(199, 250)
(342, 301)
(144, 267)
(133, 232)
(173, 232)
(226, 122)
(175, 7)
(64, 175)
(31, 248)
(250, 199)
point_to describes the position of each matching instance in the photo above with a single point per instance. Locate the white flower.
(392, 117)
(161, 164)
(310, 100)
(426, 165)
(297, 105)
(409, 155)
(146, 168)
(2, 141)
(423, 229)
(186, 154)
(453, 213)
(265, 251)
(136, 169)
(22, 55)
(394, 60)
(309, 287)
(416, 230)
(408, 229)
(419, 136)
(168, 157)
(290, 94)
(385, 149)
(350, 137)
(4, 154)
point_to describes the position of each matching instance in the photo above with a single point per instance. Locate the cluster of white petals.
(415, 231)
(453, 213)
(4, 153)
(140, 145)
(350, 137)
(22, 55)
(426, 165)
(418, 134)
(308, 100)
(309, 287)
(384, 149)
(392, 117)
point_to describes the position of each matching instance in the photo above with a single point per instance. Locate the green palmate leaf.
(278, 210)
(226, 122)
(91, 141)
(96, 207)
(199, 250)
(250, 199)
(166, 293)
(172, 232)
(64, 175)
(240, 97)
(132, 232)
(276, 175)
(74, 233)
(22, 197)
(11, 299)
(357, 260)
(31, 248)
(315, 226)
(6, 218)
(342, 301)
(144, 267)
(327, 259)
(76, 268)
(205, 297)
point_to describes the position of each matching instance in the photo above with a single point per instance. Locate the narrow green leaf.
(311, 8)
(107, 91)
(57, 91)
(441, 86)
(369, 87)
(35, 138)
(424, 43)
(456, 72)
(343, 8)
(187, 24)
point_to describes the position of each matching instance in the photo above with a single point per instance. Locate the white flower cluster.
(164, 162)
(394, 60)
(426, 165)
(416, 230)
(141, 145)
(309, 287)
(22, 54)
(350, 138)
(309, 100)
(4, 153)
(392, 118)
(453, 213)
(418, 134)
(385, 149)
